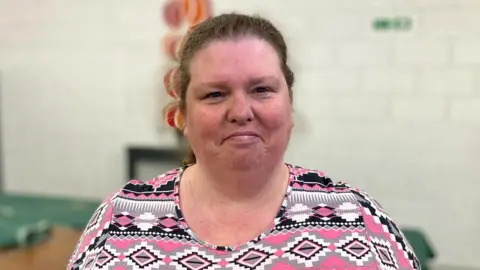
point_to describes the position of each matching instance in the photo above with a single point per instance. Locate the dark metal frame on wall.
(2, 172)
(135, 155)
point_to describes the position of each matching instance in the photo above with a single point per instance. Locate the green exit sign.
(392, 24)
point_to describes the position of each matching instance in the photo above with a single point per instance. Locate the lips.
(242, 136)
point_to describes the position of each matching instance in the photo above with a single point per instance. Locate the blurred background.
(387, 98)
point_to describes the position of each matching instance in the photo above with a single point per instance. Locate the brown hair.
(227, 27)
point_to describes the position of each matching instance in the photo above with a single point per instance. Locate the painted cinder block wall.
(396, 113)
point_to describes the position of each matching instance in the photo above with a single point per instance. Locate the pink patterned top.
(321, 225)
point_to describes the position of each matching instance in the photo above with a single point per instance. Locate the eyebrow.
(264, 79)
(251, 82)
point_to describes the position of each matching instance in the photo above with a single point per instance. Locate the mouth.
(243, 137)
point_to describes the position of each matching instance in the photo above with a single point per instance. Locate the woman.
(236, 204)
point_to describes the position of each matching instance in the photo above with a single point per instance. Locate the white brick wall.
(385, 81)
(419, 108)
(333, 80)
(450, 80)
(80, 82)
(462, 22)
(421, 52)
(361, 107)
(394, 113)
(360, 54)
(466, 110)
(465, 51)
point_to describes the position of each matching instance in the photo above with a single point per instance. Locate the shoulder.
(313, 187)
(117, 207)
(163, 183)
(341, 203)
(312, 179)
(315, 180)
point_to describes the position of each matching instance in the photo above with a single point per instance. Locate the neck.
(256, 185)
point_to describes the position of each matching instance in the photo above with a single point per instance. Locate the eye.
(262, 90)
(214, 95)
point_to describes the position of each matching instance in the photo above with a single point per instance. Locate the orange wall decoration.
(180, 16)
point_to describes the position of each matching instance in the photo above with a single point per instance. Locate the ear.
(184, 128)
(292, 114)
(185, 131)
(292, 117)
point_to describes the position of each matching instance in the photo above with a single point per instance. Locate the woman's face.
(238, 108)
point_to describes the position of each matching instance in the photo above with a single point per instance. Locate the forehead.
(235, 60)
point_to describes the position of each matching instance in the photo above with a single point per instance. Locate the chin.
(240, 161)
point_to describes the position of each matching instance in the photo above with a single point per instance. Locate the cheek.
(201, 123)
(278, 119)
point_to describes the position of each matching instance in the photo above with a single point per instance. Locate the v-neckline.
(276, 221)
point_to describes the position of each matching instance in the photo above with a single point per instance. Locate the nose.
(239, 109)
